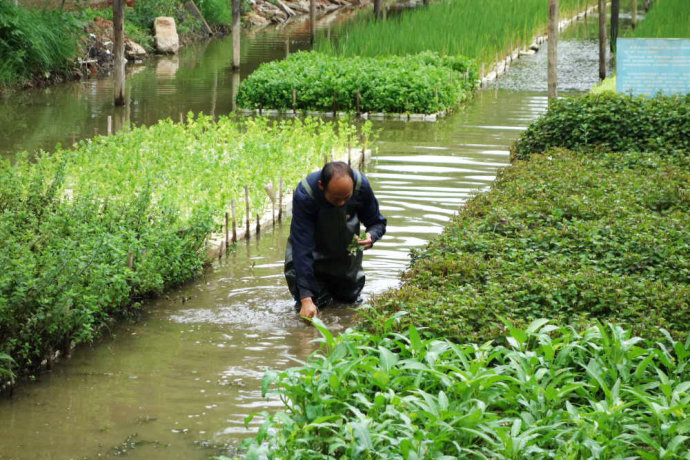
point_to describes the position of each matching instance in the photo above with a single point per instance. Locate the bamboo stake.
(246, 208)
(280, 200)
(234, 221)
(119, 51)
(227, 231)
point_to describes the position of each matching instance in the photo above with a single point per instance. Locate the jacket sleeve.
(369, 213)
(302, 236)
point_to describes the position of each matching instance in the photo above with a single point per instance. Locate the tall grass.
(34, 42)
(666, 19)
(479, 30)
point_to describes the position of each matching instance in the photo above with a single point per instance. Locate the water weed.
(549, 392)
(665, 19)
(423, 83)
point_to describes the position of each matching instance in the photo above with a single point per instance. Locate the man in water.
(327, 208)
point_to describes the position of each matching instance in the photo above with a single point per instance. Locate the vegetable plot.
(422, 83)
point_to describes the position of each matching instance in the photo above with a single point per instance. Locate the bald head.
(337, 182)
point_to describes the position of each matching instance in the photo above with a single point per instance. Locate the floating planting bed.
(419, 87)
(87, 233)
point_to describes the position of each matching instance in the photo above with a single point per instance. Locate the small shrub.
(614, 122)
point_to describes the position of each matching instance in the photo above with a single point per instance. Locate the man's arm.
(369, 213)
(302, 235)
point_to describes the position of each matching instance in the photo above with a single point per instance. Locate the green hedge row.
(613, 122)
(421, 83)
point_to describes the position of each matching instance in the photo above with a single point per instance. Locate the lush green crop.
(566, 236)
(611, 121)
(666, 19)
(548, 392)
(423, 83)
(479, 30)
(86, 232)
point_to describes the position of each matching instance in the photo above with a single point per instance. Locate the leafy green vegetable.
(423, 83)
(354, 245)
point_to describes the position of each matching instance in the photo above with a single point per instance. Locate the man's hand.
(367, 243)
(308, 308)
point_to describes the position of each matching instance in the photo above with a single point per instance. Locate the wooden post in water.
(553, 50)
(246, 209)
(280, 200)
(236, 34)
(227, 231)
(110, 125)
(377, 9)
(294, 99)
(312, 19)
(615, 13)
(602, 39)
(258, 224)
(235, 88)
(634, 14)
(234, 221)
(287, 46)
(119, 51)
(335, 104)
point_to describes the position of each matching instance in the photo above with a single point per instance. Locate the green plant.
(423, 83)
(34, 42)
(611, 121)
(665, 19)
(545, 392)
(354, 245)
(87, 233)
(451, 28)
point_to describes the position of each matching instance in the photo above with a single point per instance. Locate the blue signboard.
(646, 66)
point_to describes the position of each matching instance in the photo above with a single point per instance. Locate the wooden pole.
(258, 224)
(227, 231)
(312, 19)
(235, 88)
(234, 221)
(634, 14)
(553, 50)
(615, 14)
(602, 39)
(358, 103)
(280, 200)
(246, 209)
(236, 34)
(377, 9)
(110, 125)
(287, 46)
(119, 51)
(335, 104)
(130, 261)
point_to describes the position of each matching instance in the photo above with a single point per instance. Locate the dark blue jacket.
(303, 228)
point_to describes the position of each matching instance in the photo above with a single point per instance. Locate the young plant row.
(421, 83)
(542, 392)
(86, 232)
(482, 31)
(665, 19)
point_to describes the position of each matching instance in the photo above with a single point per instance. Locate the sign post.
(646, 66)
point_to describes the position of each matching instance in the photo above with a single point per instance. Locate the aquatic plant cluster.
(547, 392)
(482, 32)
(420, 83)
(459, 362)
(612, 122)
(665, 19)
(87, 233)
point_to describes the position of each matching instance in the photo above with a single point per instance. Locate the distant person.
(327, 208)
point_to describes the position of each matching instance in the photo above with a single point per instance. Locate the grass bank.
(459, 362)
(88, 233)
(423, 83)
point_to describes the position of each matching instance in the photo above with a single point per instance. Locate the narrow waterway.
(178, 383)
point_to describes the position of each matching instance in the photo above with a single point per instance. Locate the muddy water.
(178, 383)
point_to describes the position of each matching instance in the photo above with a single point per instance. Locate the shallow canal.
(179, 383)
